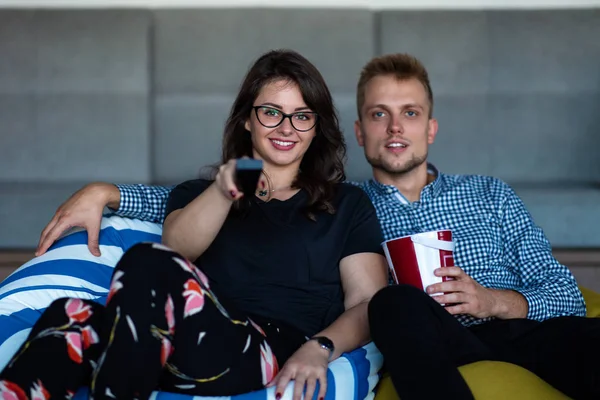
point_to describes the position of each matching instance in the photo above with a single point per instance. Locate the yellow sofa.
(494, 380)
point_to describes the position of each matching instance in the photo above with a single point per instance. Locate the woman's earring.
(262, 192)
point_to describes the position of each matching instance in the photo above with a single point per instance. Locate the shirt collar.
(437, 186)
(432, 189)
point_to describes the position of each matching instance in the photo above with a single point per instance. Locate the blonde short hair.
(401, 66)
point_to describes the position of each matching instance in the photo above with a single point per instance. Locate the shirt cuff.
(537, 308)
(128, 204)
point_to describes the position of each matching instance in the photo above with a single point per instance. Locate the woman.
(281, 280)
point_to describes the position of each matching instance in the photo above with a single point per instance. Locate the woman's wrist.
(325, 345)
(228, 197)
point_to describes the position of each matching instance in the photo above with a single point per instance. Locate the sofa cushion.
(68, 269)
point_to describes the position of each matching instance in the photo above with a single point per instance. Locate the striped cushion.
(68, 269)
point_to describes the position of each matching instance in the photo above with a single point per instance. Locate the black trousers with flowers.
(161, 329)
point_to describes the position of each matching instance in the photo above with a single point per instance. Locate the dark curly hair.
(322, 166)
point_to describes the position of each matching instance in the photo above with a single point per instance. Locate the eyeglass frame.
(289, 116)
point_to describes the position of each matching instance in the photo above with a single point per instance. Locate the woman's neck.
(280, 178)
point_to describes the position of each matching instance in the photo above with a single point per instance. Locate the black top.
(275, 263)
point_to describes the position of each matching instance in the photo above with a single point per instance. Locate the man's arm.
(85, 207)
(548, 286)
(142, 201)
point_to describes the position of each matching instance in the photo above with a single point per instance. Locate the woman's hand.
(225, 181)
(306, 366)
(84, 209)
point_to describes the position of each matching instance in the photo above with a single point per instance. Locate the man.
(507, 282)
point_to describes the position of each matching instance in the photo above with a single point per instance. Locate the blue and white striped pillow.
(68, 269)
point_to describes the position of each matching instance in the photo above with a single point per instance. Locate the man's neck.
(410, 184)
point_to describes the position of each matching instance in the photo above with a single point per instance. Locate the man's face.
(395, 129)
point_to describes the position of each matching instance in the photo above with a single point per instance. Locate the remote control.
(247, 174)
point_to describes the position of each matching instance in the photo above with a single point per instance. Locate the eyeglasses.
(271, 117)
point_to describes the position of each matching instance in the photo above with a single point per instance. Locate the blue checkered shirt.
(497, 242)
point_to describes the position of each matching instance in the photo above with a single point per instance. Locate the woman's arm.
(191, 229)
(196, 219)
(363, 275)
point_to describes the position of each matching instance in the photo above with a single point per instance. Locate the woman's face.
(283, 144)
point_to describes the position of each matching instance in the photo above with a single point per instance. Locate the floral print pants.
(162, 329)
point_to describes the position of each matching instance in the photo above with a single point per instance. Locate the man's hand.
(84, 209)
(465, 296)
(306, 366)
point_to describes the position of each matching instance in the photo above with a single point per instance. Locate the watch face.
(325, 342)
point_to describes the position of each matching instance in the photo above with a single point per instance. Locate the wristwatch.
(325, 343)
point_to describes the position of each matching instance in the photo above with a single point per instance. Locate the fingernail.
(321, 398)
(262, 184)
(278, 396)
(233, 193)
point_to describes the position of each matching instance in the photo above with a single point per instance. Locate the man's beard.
(405, 168)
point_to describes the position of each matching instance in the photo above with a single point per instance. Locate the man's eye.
(378, 114)
(411, 113)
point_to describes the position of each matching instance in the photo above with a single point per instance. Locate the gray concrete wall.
(141, 96)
